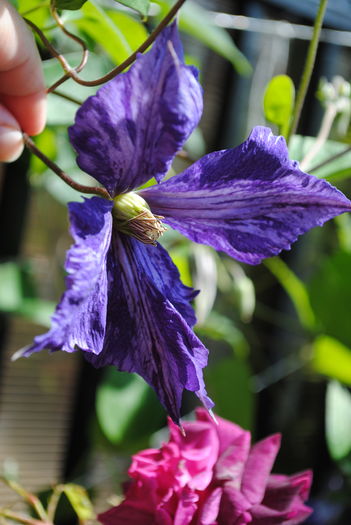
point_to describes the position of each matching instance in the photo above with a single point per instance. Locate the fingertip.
(29, 111)
(11, 144)
(11, 139)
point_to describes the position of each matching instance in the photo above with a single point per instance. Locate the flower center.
(132, 216)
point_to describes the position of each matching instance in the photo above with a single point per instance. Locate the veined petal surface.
(250, 202)
(131, 129)
(145, 332)
(80, 318)
(258, 467)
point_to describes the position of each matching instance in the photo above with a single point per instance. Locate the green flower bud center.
(133, 217)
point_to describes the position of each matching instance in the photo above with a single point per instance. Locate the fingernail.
(11, 144)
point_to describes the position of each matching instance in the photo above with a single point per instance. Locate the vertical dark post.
(14, 199)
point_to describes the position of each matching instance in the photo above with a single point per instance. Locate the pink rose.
(212, 476)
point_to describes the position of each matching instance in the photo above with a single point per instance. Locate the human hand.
(22, 89)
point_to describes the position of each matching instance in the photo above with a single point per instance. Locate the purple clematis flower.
(124, 304)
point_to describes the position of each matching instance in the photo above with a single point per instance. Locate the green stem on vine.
(13, 516)
(67, 97)
(92, 190)
(53, 502)
(29, 498)
(307, 72)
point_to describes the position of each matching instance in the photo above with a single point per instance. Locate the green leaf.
(180, 256)
(60, 110)
(332, 358)
(96, 23)
(35, 11)
(142, 6)
(126, 407)
(338, 420)
(10, 287)
(196, 145)
(46, 142)
(37, 310)
(335, 170)
(134, 32)
(15, 281)
(66, 159)
(330, 293)
(278, 102)
(228, 383)
(221, 328)
(69, 4)
(295, 288)
(196, 21)
(79, 499)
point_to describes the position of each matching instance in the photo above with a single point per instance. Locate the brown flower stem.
(114, 72)
(92, 190)
(79, 41)
(58, 82)
(184, 155)
(64, 64)
(48, 45)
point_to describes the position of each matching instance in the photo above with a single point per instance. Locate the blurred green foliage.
(338, 420)
(332, 358)
(139, 5)
(278, 102)
(69, 4)
(127, 409)
(330, 293)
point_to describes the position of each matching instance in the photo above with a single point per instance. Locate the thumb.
(11, 140)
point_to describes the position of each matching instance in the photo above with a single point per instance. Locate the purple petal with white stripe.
(250, 202)
(80, 318)
(131, 129)
(145, 332)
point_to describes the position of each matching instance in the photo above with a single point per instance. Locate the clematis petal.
(131, 129)
(80, 318)
(250, 202)
(145, 331)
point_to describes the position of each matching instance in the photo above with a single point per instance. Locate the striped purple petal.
(80, 317)
(250, 202)
(145, 332)
(131, 129)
